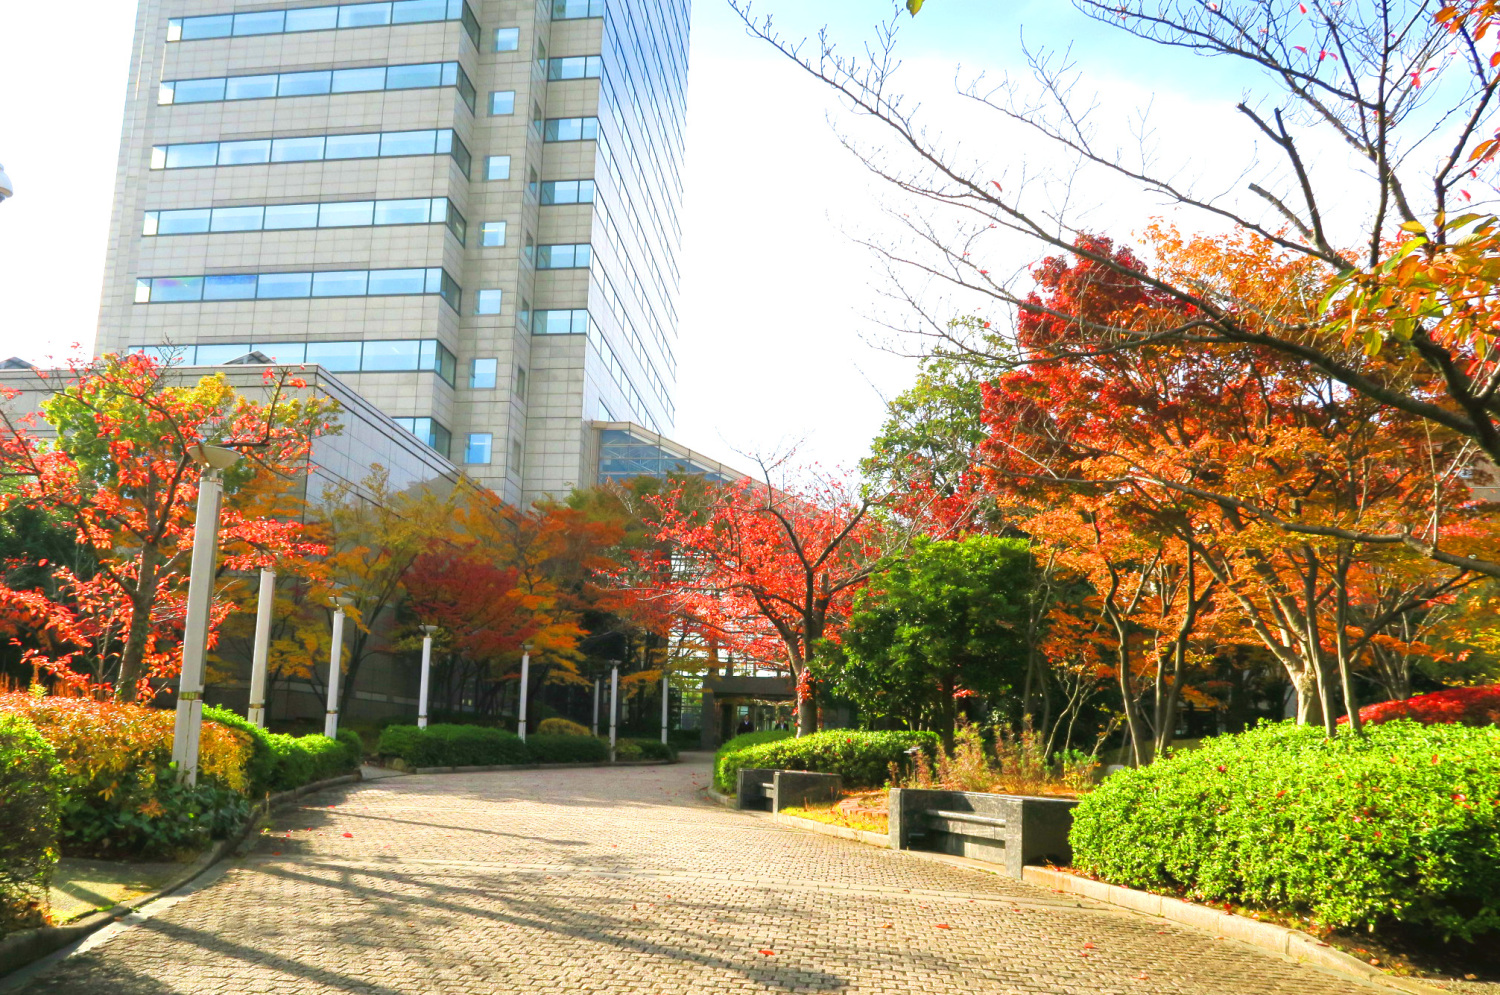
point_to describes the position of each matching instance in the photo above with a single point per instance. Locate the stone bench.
(1011, 830)
(774, 790)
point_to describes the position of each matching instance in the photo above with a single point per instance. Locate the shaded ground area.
(626, 881)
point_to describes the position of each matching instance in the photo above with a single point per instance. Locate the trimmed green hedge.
(742, 742)
(564, 748)
(643, 749)
(1402, 824)
(279, 762)
(30, 793)
(452, 746)
(863, 758)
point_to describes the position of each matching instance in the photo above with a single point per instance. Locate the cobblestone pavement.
(627, 881)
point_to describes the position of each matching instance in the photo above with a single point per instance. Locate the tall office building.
(467, 210)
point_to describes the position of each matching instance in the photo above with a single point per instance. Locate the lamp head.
(6, 188)
(213, 457)
(428, 629)
(340, 602)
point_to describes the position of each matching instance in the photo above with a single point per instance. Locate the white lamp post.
(614, 706)
(335, 664)
(189, 723)
(258, 660)
(664, 700)
(427, 631)
(597, 682)
(525, 686)
(7, 190)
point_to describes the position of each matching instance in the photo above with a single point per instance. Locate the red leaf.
(768, 953)
(943, 925)
(348, 836)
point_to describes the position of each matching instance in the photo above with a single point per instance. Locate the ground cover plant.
(868, 811)
(864, 759)
(1000, 762)
(30, 789)
(557, 726)
(1479, 706)
(452, 746)
(1396, 827)
(644, 749)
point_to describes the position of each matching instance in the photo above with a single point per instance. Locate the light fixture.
(213, 457)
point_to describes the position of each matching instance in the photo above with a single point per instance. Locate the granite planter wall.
(775, 790)
(1010, 830)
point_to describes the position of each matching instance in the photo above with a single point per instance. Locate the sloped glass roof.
(627, 450)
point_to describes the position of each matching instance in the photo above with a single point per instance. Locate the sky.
(784, 338)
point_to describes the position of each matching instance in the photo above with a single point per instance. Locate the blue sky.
(781, 311)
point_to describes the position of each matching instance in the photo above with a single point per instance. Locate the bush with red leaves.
(1479, 706)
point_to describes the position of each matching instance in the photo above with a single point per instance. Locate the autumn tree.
(119, 470)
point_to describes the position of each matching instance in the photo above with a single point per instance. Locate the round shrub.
(566, 749)
(562, 727)
(30, 785)
(452, 746)
(1468, 706)
(863, 758)
(1399, 825)
(742, 742)
(645, 749)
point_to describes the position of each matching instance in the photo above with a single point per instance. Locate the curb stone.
(1304, 948)
(797, 822)
(485, 768)
(22, 948)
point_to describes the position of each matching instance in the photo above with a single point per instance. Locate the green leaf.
(913, 6)
(1414, 226)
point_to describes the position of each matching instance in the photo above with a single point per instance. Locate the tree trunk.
(807, 716)
(133, 655)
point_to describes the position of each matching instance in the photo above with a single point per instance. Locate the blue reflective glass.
(233, 287)
(250, 87)
(244, 153)
(312, 19)
(346, 214)
(414, 77)
(193, 91)
(296, 149)
(237, 218)
(268, 22)
(408, 142)
(166, 289)
(183, 222)
(338, 357)
(214, 26)
(388, 356)
(359, 80)
(503, 102)
(393, 282)
(303, 84)
(352, 146)
(278, 285)
(187, 156)
(364, 15)
(417, 11)
(403, 212)
(344, 283)
(219, 353)
(282, 352)
(283, 216)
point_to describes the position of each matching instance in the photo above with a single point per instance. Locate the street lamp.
(212, 461)
(614, 705)
(335, 663)
(259, 657)
(525, 686)
(597, 681)
(664, 701)
(427, 631)
(7, 190)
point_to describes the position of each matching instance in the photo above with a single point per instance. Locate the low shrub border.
(1397, 826)
(863, 759)
(30, 790)
(474, 746)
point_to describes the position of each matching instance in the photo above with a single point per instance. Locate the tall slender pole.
(189, 721)
(427, 631)
(525, 687)
(614, 707)
(597, 681)
(259, 661)
(335, 664)
(665, 698)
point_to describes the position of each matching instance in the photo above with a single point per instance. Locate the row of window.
(569, 10)
(369, 145)
(347, 15)
(575, 67)
(382, 356)
(311, 84)
(431, 431)
(331, 214)
(567, 192)
(282, 286)
(571, 129)
(560, 322)
(563, 256)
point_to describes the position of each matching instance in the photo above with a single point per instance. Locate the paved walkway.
(626, 881)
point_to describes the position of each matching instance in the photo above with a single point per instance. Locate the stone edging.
(1291, 943)
(573, 766)
(22, 948)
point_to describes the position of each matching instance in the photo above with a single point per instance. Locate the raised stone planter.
(774, 790)
(1010, 830)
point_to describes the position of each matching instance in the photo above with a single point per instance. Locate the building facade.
(467, 210)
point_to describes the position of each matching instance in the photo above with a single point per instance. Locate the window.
(478, 448)
(562, 256)
(531, 181)
(515, 457)
(488, 302)
(430, 431)
(530, 250)
(361, 15)
(406, 77)
(279, 286)
(507, 39)
(575, 67)
(567, 10)
(536, 116)
(541, 55)
(497, 167)
(520, 383)
(502, 102)
(574, 322)
(571, 129)
(492, 233)
(482, 373)
(361, 146)
(401, 355)
(568, 192)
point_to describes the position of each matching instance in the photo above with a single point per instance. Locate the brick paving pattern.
(627, 881)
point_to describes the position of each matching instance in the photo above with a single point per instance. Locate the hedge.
(743, 742)
(545, 748)
(644, 749)
(279, 762)
(1477, 706)
(30, 793)
(562, 727)
(863, 758)
(452, 746)
(1399, 825)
